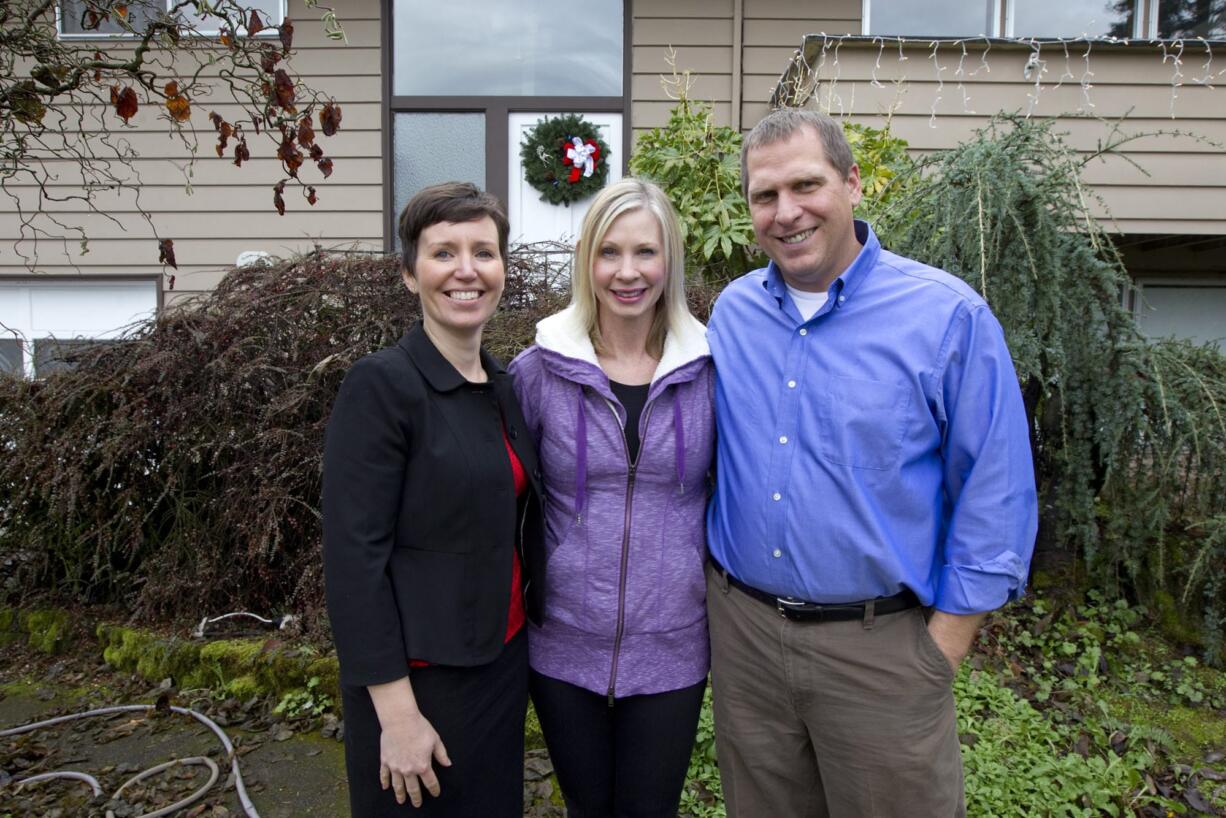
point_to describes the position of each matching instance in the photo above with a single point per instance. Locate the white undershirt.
(806, 302)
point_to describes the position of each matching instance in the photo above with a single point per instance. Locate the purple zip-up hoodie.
(625, 601)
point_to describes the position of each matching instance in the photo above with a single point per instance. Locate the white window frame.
(28, 331)
(1143, 19)
(269, 31)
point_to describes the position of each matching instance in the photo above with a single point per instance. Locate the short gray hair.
(782, 123)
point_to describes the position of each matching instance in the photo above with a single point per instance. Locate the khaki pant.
(831, 719)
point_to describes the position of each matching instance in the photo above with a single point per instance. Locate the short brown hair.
(782, 123)
(448, 202)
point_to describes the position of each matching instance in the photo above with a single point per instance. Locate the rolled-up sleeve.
(989, 471)
(365, 453)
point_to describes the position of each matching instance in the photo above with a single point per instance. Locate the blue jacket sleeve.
(989, 472)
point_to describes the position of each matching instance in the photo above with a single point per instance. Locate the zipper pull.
(610, 698)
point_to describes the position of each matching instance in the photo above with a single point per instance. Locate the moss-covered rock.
(8, 626)
(49, 629)
(328, 670)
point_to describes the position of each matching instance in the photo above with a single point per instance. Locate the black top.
(420, 516)
(633, 398)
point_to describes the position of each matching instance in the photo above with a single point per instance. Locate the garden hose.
(244, 799)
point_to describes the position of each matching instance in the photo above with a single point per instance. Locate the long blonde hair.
(619, 198)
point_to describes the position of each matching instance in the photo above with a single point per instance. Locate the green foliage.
(698, 164)
(307, 702)
(1129, 438)
(886, 169)
(702, 796)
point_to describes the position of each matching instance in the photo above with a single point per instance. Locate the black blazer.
(420, 515)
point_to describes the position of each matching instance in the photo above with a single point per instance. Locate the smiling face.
(801, 208)
(458, 275)
(629, 268)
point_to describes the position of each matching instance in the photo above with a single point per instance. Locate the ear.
(854, 191)
(410, 280)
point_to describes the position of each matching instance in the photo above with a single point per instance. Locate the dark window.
(56, 355)
(11, 360)
(1183, 19)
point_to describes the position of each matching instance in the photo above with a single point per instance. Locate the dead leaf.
(269, 58)
(325, 166)
(311, 197)
(125, 102)
(306, 134)
(286, 35)
(255, 25)
(180, 109)
(283, 88)
(171, 89)
(290, 156)
(330, 118)
(241, 154)
(166, 253)
(278, 200)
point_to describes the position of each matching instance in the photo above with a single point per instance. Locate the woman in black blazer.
(433, 546)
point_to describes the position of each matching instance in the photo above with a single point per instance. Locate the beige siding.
(935, 101)
(213, 210)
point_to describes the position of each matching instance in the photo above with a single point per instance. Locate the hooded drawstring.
(679, 445)
(581, 453)
(580, 460)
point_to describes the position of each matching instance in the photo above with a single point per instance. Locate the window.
(1194, 310)
(75, 19)
(1192, 18)
(1072, 18)
(1125, 19)
(936, 18)
(460, 77)
(11, 357)
(43, 322)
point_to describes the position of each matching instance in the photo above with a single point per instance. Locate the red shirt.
(516, 615)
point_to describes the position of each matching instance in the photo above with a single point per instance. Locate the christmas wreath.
(565, 159)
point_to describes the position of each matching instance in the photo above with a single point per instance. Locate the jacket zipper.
(621, 582)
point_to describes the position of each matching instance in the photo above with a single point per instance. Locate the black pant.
(628, 760)
(478, 712)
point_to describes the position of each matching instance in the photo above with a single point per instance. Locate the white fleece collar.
(564, 334)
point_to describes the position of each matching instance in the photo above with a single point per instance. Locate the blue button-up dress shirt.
(880, 445)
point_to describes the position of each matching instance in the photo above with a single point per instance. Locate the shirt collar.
(436, 369)
(844, 287)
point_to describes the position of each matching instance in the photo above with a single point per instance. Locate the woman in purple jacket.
(618, 392)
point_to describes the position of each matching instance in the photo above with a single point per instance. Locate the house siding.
(1185, 187)
(220, 210)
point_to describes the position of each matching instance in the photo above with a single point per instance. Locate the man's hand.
(408, 743)
(953, 634)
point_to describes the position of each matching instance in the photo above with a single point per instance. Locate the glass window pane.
(934, 18)
(55, 355)
(10, 356)
(74, 18)
(1195, 313)
(1192, 18)
(271, 13)
(496, 48)
(1073, 18)
(433, 148)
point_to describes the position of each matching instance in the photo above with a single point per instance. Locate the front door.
(532, 219)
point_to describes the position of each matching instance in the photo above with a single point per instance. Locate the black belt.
(798, 610)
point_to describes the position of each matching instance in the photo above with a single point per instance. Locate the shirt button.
(842, 298)
(804, 332)
(776, 553)
(783, 438)
(791, 384)
(776, 496)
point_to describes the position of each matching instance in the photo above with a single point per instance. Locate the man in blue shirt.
(875, 498)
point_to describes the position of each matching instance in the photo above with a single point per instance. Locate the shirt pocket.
(862, 422)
